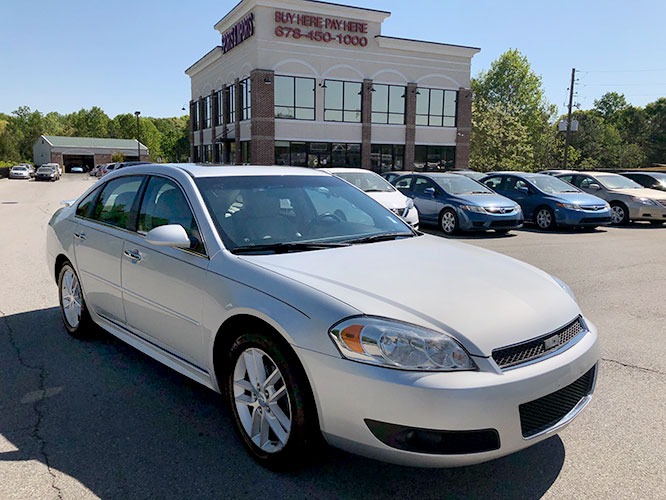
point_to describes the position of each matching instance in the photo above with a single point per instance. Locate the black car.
(652, 180)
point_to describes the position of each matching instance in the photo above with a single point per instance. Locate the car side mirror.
(170, 235)
(594, 186)
(409, 204)
(429, 191)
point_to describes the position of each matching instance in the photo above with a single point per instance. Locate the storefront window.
(387, 157)
(342, 101)
(294, 98)
(246, 152)
(219, 96)
(206, 112)
(388, 104)
(246, 102)
(436, 107)
(317, 154)
(434, 157)
(231, 104)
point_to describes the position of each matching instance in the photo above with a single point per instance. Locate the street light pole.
(138, 136)
(567, 137)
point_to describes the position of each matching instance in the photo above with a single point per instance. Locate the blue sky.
(124, 55)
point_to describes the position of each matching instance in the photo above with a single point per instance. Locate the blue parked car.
(458, 203)
(549, 202)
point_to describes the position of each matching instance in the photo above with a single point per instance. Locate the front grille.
(500, 210)
(533, 349)
(543, 413)
(593, 208)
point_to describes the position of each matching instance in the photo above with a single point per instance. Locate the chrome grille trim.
(541, 347)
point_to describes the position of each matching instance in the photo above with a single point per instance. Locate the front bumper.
(474, 221)
(639, 211)
(568, 217)
(353, 397)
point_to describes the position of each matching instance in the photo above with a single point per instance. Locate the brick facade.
(262, 145)
(410, 124)
(464, 124)
(366, 124)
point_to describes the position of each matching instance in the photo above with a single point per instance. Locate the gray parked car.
(651, 180)
(628, 199)
(317, 312)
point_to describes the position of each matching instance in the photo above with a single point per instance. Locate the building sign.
(320, 29)
(240, 32)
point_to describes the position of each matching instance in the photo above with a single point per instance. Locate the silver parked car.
(250, 282)
(19, 172)
(628, 199)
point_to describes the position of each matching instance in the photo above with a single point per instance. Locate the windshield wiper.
(288, 247)
(380, 237)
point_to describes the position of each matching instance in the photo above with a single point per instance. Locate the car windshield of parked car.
(368, 182)
(614, 181)
(19, 169)
(44, 170)
(460, 184)
(277, 214)
(552, 185)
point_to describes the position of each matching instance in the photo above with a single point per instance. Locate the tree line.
(167, 139)
(515, 128)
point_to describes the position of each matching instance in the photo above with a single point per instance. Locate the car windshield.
(19, 168)
(460, 184)
(277, 214)
(367, 181)
(660, 177)
(552, 185)
(43, 170)
(614, 181)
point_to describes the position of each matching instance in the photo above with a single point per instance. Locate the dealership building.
(310, 83)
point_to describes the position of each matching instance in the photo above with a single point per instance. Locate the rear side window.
(114, 206)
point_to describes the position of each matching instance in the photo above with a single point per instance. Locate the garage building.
(84, 151)
(313, 83)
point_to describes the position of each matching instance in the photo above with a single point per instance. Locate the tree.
(512, 91)
(610, 105)
(90, 123)
(655, 113)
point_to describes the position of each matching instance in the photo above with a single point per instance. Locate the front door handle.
(135, 255)
(80, 236)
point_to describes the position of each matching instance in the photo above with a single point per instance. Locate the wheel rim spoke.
(261, 400)
(71, 301)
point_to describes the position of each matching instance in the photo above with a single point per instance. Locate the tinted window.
(114, 206)
(86, 206)
(164, 203)
(493, 182)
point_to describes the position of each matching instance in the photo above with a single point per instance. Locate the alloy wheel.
(71, 298)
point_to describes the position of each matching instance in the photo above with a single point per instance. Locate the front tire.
(73, 307)
(619, 214)
(545, 219)
(448, 222)
(270, 400)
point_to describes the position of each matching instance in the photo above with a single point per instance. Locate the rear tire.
(270, 400)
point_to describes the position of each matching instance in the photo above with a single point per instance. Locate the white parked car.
(381, 190)
(273, 286)
(19, 172)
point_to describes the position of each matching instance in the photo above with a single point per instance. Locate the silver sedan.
(271, 285)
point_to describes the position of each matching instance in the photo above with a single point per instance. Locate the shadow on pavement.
(125, 426)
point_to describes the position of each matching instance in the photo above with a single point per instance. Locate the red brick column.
(237, 129)
(262, 145)
(366, 124)
(410, 125)
(200, 104)
(192, 104)
(464, 127)
(213, 119)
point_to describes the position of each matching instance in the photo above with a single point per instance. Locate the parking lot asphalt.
(98, 419)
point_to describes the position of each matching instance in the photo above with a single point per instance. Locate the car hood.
(390, 199)
(487, 200)
(486, 300)
(643, 193)
(579, 198)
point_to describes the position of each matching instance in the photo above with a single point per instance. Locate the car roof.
(342, 170)
(201, 171)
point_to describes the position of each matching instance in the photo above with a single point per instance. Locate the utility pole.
(568, 133)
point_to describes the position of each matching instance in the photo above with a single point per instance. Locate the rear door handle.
(133, 254)
(80, 236)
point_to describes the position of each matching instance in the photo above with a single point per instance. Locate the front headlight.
(473, 208)
(644, 201)
(398, 345)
